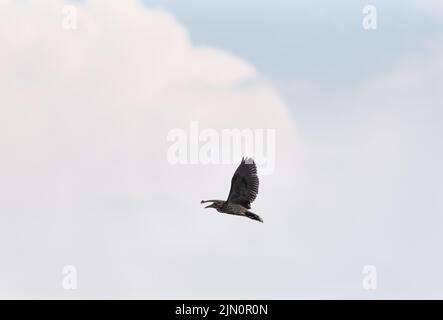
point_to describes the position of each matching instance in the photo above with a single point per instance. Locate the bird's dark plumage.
(244, 184)
(244, 190)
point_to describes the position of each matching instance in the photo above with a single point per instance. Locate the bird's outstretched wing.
(244, 184)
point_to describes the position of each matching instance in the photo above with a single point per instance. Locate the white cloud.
(83, 124)
(85, 181)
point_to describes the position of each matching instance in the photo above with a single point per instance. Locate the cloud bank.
(84, 121)
(85, 180)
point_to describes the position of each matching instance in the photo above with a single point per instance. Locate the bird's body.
(244, 189)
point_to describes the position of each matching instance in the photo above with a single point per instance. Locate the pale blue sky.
(318, 41)
(85, 179)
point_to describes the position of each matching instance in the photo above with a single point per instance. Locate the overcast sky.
(85, 181)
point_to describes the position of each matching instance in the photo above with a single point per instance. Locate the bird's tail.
(253, 216)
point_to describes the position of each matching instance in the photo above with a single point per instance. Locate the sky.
(86, 181)
(315, 41)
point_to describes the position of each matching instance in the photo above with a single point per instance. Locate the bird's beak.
(205, 201)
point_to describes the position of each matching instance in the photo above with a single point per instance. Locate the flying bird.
(244, 190)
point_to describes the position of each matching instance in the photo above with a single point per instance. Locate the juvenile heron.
(244, 189)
